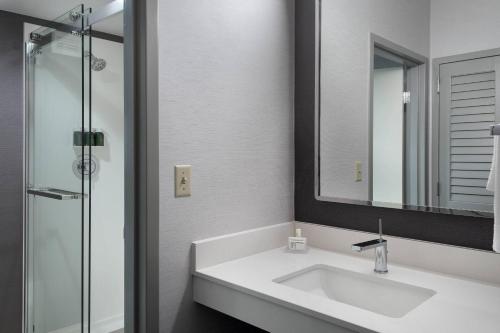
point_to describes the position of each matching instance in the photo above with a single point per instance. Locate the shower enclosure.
(60, 165)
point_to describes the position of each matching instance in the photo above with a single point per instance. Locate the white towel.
(493, 185)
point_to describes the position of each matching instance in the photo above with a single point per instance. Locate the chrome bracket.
(75, 16)
(35, 38)
(80, 33)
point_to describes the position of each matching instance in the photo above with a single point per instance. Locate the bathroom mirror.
(405, 97)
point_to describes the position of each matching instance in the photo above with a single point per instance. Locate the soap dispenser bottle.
(297, 243)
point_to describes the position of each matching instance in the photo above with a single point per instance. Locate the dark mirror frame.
(420, 223)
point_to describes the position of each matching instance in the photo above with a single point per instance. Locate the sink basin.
(372, 293)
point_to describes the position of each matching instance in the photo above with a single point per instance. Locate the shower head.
(96, 64)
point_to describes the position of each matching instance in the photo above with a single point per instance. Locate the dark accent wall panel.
(11, 173)
(473, 232)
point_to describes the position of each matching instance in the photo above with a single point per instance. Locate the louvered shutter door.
(467, 109)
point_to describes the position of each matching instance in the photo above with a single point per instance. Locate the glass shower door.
(58, 112)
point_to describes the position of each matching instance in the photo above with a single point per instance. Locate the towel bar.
(57, 194)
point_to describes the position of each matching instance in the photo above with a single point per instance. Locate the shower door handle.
(57, 194)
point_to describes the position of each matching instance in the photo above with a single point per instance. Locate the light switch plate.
(182, 180)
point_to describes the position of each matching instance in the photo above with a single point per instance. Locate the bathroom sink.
(372, 293)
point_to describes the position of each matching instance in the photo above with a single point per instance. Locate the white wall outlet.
(358, 174)
(182, 180)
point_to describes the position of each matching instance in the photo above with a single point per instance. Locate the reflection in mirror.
(396, 177)
(406, 97)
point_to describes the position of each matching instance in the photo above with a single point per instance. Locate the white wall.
(388, 135)
(345, 80)
(226, 107)
(461, 26)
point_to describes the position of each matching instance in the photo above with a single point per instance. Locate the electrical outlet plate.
(182, 180)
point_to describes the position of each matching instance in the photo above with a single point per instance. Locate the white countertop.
(459, 306)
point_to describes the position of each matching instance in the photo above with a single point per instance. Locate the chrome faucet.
(380, 246)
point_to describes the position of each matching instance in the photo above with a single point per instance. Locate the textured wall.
(11, 172)
(226, 107)
(461, 26)
(345, 80)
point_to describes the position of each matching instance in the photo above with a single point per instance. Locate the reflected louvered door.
(467, 106)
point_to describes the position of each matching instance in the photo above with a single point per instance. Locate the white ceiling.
(51, 9)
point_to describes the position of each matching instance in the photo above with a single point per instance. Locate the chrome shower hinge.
(75, 16)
